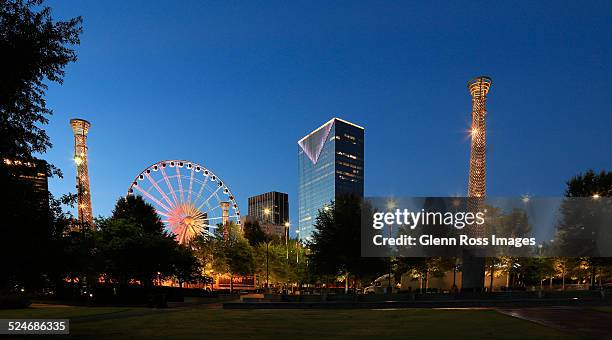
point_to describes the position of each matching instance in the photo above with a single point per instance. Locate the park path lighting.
(297, 246)
(267, 213)
(287, 225)
(268, 266)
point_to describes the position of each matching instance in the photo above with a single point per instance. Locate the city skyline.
(405, 88)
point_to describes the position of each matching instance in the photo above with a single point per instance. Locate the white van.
(380, 285)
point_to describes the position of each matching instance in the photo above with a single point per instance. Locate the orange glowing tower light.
(479, 87)
(80, 127)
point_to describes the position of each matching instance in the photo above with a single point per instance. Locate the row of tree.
(35, 51)
(249, 251)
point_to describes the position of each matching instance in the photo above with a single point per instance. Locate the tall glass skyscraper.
(330, 162)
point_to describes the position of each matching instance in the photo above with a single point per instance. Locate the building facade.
(270, 208)
(330, 162)
(32, 182)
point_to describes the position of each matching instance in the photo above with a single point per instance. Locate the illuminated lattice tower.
(479, 87)
(80, 127)
(472, 278)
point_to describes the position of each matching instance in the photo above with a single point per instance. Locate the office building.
(330, 163)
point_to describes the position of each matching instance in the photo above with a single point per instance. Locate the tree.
(253, 233)
(589, 184)
(424, 267)
(239, 257)
(532, 271)
(35, 49)
(185, 266)
(132, 246)
(135, 209)
(230, 253)
(336, 246)
(580, 227)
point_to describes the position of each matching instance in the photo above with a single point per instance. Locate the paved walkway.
(581, 321)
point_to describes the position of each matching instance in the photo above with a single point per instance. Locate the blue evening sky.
(234, 84)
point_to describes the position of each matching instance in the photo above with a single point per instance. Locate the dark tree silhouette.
(135, 209)
(35, 49)
(336, 241)
(580, 226)
(254, 233)
(132, 245)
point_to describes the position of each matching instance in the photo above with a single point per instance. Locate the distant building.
(271, 208)
(269, 229)
(32, 174)
(330, 162)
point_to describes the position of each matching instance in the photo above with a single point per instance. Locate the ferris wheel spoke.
(161, 192)
(209, 197)
(167, 180)
(180, 182)
(151, 197)
(190, 184)
(211, 209)
(203, 185)
(186, 210)
(220, 217)
(195, 230)
(162, 213)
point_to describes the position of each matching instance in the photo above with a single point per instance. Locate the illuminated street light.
(287, 225)
(596, 196)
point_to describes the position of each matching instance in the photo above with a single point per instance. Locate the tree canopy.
(35, 50)
(336, 246)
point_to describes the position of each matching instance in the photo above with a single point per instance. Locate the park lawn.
(60, 312)
(219, 323)
(606, 309)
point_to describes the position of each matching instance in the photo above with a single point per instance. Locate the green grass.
(218, 323)
(606, 309)
(60, 312)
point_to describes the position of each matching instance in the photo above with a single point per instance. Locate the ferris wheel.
(190, 199)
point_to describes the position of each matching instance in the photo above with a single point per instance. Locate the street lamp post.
(267, 267)
(266, 213)
(297, 247)
(287, 225)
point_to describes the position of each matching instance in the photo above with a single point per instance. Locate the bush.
(14, 301)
